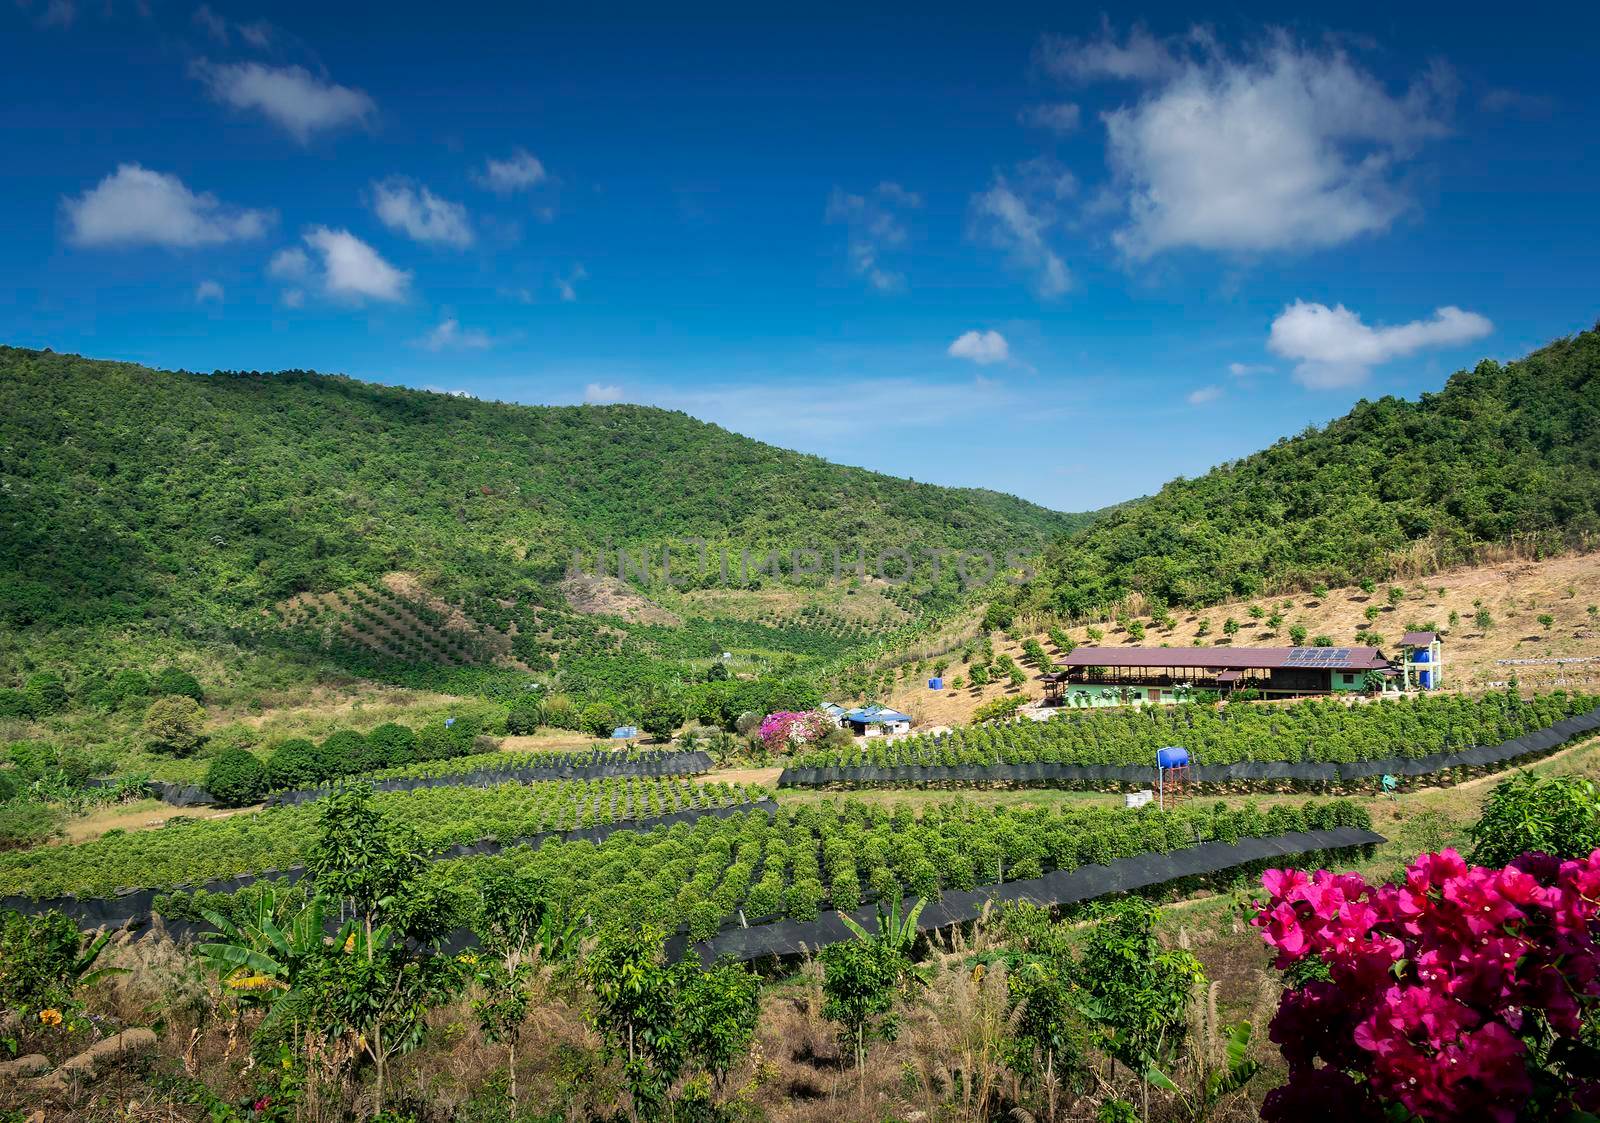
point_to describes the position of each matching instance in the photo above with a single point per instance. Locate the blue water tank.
(1427, 680)
(936, 684)
(1172, 757)
(1420, 655)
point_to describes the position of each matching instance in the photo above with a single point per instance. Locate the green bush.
(45, 693)
(173, 680)
(341, 754)
(524, 718)
(173, 723)
(392, 744)
(15, 704)
(24, 824)
(1555, 815)
(236, 777)
(293, 764)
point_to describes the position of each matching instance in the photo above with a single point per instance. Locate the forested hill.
(1394, 486)
(127, 492)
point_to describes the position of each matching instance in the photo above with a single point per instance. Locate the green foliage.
(1137, 991)
(1555, 815)
(1348, 501)
(1322, 730)
(173, 680)
(1297, 634)
(861, 979)
(44, 962)
(661, 1018)
(191, 851)
(173, 723)
(236, 777)
(258, 469)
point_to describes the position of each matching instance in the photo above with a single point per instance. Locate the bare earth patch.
(611, 596)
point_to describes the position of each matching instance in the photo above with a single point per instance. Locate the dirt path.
(766, 777)
(142, 815)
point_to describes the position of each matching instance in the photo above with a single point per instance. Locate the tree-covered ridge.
(1502, 452)
(128, 492)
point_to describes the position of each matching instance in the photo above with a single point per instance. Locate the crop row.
(190, 851)
(519, 760)
(838, 855)
(1324, 731)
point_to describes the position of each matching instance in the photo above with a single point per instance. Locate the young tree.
(173, 724)
(1297, 634)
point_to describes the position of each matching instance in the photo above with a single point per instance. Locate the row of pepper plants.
(1324, 731)
(755, 867)
(189, 851)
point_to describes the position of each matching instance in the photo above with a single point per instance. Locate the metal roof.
(872, 714)
(1418, 639)
(1229, 658)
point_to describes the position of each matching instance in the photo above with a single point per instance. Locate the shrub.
(24, 824)
(236, 777)
(524, 718)
(392, 744)
(342, 753)
(1456, 993)
(15, 703)
(1555, 815)
(127, 686)
(293, 764)
(174, 680)
(173, 723)
(45, 693)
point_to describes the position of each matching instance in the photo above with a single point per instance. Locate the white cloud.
(291, 264)
(135, 206)
(1283, 148)
(294, 298)
(1063, 117)
(1140, 57)
(982, 347)
(350, 269)
(291, 96)
(1006, 220)
(568, 286)
(520, 171)
(597, 393)
(1203, 394)
(421, 214)
(208, 290)
(450, 336)
(874, 227)
(1334, 349)
(1245, 370)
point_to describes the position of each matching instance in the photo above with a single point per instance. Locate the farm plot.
(193, 851)
(1317, 731)
(757, 868)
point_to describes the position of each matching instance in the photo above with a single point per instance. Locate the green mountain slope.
(130, 494)
(1502, 453)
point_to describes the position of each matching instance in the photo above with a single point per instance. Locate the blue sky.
(1033, 248)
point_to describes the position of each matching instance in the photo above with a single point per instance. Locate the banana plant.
(1217, 1082)
(258, 957)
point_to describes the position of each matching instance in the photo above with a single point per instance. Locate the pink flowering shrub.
(1459, 994)
(786, 728)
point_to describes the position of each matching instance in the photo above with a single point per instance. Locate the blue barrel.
(1420, 655)
(1172, 757)
(936, 684)
(1427, 680)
